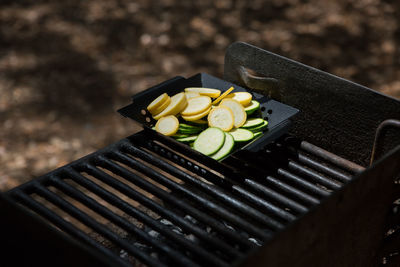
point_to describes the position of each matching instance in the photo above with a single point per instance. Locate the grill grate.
(201, 212)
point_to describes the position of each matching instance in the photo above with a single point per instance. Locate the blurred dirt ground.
(67, 66)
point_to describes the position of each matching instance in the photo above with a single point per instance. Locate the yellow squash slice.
(239, 114)
(243, 98)
(197, 116)
(216, 101)
(221, 117)
(157, 103)
(196, 105)
(191, 95)
(162, 107)
(204, 91)
(178, 103)
(168, 125)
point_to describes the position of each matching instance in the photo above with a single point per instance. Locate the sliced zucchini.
(200, 123)
(229, 143)
(204, 91)
(196, 105)
(187, 139)
(257, 134)
(178, 103)
(243, 98)
(197, 116)
(209, 141)
(252, 107)
(259, 128)
(190, 127)
(241, 135)
(239, 115)
(157, 103)
(216, 101)
(178, 135)
(221, 117)
(167, 125)
(189, 131)
(251, 123)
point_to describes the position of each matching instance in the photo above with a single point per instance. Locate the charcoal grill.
(307, 198)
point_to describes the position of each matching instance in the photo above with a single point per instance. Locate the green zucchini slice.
(241, 135)
(226, 148)
(259, 127)
(187, 139)
(254, 105)
(209, 141)
(251, 123)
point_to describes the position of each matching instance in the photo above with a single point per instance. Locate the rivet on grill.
(175, 157)
(182, 161)
(203, 171)
(196, 167)
(169, 154)
(162, 150)
(189, 164)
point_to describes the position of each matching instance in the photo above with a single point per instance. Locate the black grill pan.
(277, 114)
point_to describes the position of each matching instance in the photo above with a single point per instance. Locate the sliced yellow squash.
(196, 105)
(221, 117)
(239, 114)
(243, 98)
(157, 103)
(197, 116)
(162, 107)
(178, 103)
(167, 125)
(204, 91)
(191, 94)
(216, 101)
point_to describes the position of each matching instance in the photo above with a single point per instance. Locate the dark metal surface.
(337, 114)
(347, 229)
(235, 209)
(26, 240)
(276, 113)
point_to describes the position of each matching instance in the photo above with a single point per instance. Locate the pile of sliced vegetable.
(212, 127)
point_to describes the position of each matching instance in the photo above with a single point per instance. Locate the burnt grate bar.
(129, 209)
(216, 214)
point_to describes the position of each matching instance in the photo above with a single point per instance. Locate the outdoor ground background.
(67, 66)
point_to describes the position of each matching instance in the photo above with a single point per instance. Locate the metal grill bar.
(262, 203)
(332, 158)
(90, 222)
(212, 190)
(129, 209)
(322, 168)
(270, 193)
(257, 199)
(302, 183)
(221, 211)
(292, 191)
(165, 197)
(64, 225)
(277, 183)
(174, 254)
(225, 183)
(315, 176)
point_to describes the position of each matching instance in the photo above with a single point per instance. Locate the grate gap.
(91, 213)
